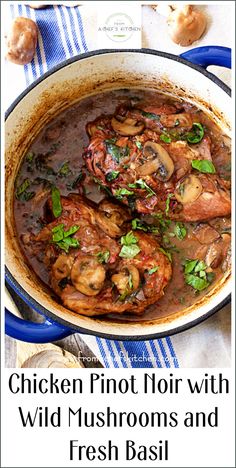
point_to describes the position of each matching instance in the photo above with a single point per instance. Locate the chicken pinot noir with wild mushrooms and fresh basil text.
(133, 216)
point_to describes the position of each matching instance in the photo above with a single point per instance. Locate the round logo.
(119, 27)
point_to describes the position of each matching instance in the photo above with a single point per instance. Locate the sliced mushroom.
(126, 127)
(88, 275)
(205, 234)
(110, 218)
(62, 266)
(188, 189)
(157, 160)
(127, 280)
(218, 251)
(214, 255)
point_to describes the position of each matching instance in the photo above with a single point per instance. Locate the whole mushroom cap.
(22, 41)
(186, 25)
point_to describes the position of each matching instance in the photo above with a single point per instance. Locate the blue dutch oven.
(185, 76)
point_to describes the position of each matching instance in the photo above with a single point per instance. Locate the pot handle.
(209, 55)
(34, 332)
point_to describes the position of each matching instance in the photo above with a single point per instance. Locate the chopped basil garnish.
(103, 257)
(170, 195)
(202, 165)
(167, 254)
(63, 238)
(129, 251)
(196, 282)
(72, 185)
(130, 281)
(101, 186)
(150, 115)
(165, 137)
(196, 134)
(189, 265)
(180, 231)
(195, 274)
(142, 185)
(153, 270)
(117, 152)
(119, 193)
(56, 202)
(112, 175)
(21, 191)
(64, 171)
(29, 157)
(110, 141)
(163, 223)
(128, 239)
(142, 226)
(129, 246)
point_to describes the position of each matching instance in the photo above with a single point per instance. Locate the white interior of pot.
(60, 90)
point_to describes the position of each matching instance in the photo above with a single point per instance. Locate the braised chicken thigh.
(95, 269)
(152, 156)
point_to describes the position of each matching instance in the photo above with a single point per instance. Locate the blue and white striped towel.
(63, 33)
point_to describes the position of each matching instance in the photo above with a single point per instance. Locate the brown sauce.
(55, 156)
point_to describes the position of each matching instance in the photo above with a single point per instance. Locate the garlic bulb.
(52, 358)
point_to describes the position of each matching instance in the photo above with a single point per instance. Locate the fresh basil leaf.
(180, 231)
(110, 141)
(196, 134)
(29, 157)
(166, 138)
(58, 233)
(138, 224)
(197, 283)
(22, 188)
(153, 270)
(189, 265)
(129, 251)
(140, 183)
(64, 171)
(65, 244)
(163, 223)
(130, 282)
(112, 175)
(202, 165)
(56, 202)
(119, 193)
(200, 266)
(103, 257)
(142, 226)
(21, 191)
(128, 239)
(72, 185)
(101, 186)
(72, 230)
(167, 254)
(150, 115)
(202, 274)
(170, 195)
(117, 152)
(63, 238)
